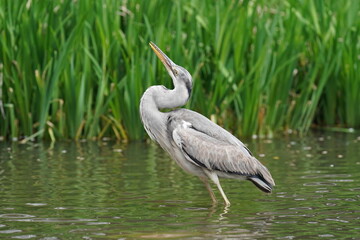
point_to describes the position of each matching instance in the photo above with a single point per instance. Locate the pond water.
(109, 190)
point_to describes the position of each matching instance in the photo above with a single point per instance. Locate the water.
(107, 190)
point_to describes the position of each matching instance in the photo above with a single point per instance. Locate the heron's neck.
(154, 99)
(160, 97)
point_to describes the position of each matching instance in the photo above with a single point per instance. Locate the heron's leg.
(208, 187)
(215, 179)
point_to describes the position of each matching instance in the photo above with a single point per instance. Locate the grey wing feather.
(204, 125)
(213, 154)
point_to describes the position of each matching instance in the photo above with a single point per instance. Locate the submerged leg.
(207, 185)
(215, 179)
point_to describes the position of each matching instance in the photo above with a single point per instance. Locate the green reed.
(77, 69)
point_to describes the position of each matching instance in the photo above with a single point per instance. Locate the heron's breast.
(187, 166)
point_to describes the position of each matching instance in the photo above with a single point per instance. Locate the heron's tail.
(262, 178)
(261, 183)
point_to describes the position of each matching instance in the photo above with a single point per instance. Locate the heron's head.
(179, 74)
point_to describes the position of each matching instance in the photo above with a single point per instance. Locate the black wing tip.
(262, 185)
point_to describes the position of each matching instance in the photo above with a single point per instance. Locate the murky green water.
(108, 190)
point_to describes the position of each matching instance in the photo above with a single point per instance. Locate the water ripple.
(10, 231)
(24, 236)
(54, 220)
(16, 215)
(319, 184)
(322, 176)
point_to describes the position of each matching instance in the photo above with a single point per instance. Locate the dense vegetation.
(77, 69)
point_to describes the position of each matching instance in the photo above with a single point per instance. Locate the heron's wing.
(213, 154)
(204, 125)
(227, 159)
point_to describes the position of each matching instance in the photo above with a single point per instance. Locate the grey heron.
(198, 145)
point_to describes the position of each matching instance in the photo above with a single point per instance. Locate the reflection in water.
(99, 190)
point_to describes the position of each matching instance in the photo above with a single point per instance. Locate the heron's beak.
(164, 59)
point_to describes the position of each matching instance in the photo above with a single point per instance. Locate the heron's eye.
(175, 72)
